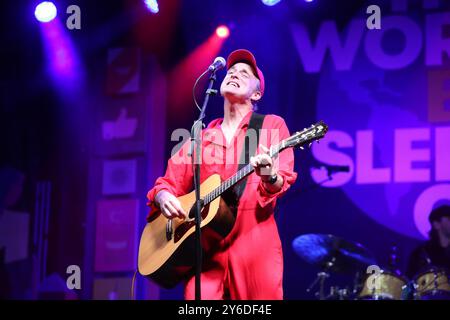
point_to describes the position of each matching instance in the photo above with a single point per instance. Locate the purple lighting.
(45, 11)
(270, 2)
(63, 62)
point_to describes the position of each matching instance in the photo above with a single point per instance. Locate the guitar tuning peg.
(301, 147)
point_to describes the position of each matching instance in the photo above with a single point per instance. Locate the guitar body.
(169, 261)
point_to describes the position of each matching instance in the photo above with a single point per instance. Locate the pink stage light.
(223, 31)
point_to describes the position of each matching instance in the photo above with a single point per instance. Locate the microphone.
(218, 64)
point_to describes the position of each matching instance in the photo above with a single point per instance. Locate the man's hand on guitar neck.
(265, 168)
(170, 206)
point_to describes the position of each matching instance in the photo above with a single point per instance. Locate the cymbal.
(332, 253)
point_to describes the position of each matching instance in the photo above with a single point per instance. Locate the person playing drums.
(429, 263)
(436, 251)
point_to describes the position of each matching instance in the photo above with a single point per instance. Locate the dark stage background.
(87, 115)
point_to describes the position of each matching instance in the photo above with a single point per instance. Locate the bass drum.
(432, 284)
(383, 286)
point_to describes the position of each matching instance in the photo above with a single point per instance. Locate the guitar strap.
(248, 149)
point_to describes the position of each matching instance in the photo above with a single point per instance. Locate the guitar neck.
(227, 184)
(238, 176)
(300, 138)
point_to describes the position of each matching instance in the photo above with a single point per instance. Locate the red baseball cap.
(242, 55)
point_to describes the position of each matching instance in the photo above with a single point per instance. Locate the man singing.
(248, 263)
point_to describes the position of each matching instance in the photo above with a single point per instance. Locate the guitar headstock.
(307, 136)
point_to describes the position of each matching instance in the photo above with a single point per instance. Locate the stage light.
(222, 31)
(45, 11)
(309, 0)
(152, 5)
(270, 2)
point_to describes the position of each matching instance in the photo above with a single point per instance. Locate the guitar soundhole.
(186, 226)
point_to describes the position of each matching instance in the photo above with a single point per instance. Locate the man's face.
(443, 226)
(240, 83)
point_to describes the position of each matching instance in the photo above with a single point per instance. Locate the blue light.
(152, 5)
(270, 2)
(45, 11)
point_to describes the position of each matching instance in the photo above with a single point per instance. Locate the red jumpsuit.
(250, 263)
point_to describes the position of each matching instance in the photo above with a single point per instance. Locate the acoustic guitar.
(166, 249)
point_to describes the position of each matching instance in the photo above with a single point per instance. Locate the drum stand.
(321, 277)
(435, 282)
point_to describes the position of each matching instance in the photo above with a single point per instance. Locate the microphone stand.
(196, 143)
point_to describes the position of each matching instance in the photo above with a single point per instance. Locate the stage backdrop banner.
(116, 235)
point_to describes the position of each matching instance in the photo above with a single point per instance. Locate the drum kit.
(334, 255)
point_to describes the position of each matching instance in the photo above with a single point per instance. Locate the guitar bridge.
(169, 230)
